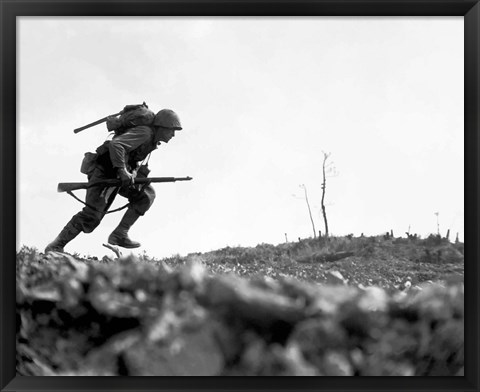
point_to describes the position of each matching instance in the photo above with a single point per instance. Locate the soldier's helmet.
(168, 119)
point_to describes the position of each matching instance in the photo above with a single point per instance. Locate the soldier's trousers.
(99, 199)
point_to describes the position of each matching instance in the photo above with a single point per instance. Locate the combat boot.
(120, 235)
(68, 233)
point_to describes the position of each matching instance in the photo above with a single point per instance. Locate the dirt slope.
(383, 306)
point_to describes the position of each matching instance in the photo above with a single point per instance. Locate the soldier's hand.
(134, 173)
(126, 177)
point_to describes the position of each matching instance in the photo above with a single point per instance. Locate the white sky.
(259, 100)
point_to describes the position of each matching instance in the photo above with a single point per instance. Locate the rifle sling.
(95, 209)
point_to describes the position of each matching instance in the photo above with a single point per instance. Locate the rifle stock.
(73, 186)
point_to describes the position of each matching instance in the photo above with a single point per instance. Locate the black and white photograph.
(240, 196)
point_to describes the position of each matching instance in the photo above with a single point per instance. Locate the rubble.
(129, 317)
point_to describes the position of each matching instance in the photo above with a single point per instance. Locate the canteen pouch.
(88, 163)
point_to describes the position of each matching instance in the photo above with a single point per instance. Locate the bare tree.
(309, 210)
(327, 168)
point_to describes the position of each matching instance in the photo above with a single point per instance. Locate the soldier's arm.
(121, 145)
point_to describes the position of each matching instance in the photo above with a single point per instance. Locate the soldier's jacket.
(128, 149)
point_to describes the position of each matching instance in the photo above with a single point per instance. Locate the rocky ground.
(341, 306)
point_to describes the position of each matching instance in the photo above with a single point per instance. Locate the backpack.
(131, 116)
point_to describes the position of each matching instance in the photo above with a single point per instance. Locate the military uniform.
(124, 153)
(126, 150)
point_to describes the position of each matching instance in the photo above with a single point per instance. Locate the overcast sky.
(260, 99)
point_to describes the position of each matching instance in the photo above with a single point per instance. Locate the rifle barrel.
(73, 186)
(95, 122)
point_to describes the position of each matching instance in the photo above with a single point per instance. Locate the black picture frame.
(10, 10)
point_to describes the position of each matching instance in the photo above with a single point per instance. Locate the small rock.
(373, 299)
(335, 277)
(336, 364)
(192, 353)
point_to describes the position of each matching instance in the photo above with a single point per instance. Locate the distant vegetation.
(362, 260)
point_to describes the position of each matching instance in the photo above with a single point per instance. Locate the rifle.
(73, 186)
(125, 109)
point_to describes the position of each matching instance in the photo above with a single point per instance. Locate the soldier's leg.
(139, 203)
(98, 200)
(68, 233)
